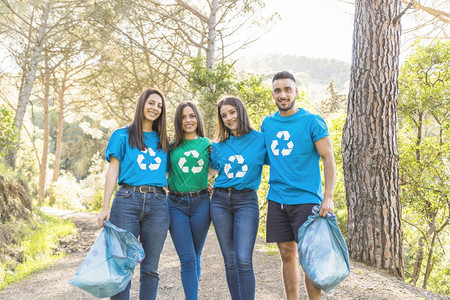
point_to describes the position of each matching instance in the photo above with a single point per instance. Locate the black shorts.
(283, 221)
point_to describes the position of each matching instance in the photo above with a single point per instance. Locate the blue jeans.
(235, 216)
(189, 224)
(147, 217)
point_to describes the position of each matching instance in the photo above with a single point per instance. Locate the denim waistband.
(143, 189)
(233, 190)
(189, 194)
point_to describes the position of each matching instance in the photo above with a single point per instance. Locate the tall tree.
(425, 110)
(169, 33)
(35, 36)
(26, 26)
(369, 142)
(212, 27)
(45, 142)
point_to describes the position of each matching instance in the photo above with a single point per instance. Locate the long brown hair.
(135, 130)
(178, 123)
(243, 127)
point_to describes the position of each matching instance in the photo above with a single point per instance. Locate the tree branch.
(441, 15)
(195, 12)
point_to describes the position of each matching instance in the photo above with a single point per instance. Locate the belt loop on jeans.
(188, 194)
(144, 189)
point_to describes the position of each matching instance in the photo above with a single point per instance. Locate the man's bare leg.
(312, 290)
(289, 269)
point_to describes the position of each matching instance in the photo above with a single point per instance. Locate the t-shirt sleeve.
(319, 129)
(262, 125)
(116, 145)
(213, 158)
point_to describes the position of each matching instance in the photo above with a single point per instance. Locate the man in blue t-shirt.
(295, 140)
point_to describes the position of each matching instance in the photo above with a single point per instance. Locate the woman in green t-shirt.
(188, 196)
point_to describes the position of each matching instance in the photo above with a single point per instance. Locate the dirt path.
(363, 283)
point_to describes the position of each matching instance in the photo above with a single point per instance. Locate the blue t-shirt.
(239, 161)
(138, 167)
(294, 161)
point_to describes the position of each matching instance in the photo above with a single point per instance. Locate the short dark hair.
(283, 75)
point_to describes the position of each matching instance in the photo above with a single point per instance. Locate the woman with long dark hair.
(188, 197)
(137, 156)
(238, 153)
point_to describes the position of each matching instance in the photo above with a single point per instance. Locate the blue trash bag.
(109, 264)
(322, 251)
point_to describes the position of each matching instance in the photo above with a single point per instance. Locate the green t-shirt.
(189, 166)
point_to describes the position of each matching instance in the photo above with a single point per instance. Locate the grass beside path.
(34, 247)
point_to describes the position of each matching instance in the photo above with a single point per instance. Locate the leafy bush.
(81, 195)
(8, 134)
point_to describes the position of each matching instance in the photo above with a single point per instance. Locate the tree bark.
(369, 142)
(418, 262)
(430, 263)
(59, 140)
(25, 92)
(212, 33)
(44, 157)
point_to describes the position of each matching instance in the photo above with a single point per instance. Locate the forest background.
(72, 71)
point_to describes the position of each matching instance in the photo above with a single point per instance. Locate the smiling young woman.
(238, 154)
(188, 197)
(137, 156)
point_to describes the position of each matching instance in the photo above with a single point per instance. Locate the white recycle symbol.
(152, 166)
(240, 161)
(183, 160)
(284, 151)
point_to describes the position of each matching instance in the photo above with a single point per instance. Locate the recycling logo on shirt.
(240, 161)
(183, 160)
(282, 135)
(152, 166)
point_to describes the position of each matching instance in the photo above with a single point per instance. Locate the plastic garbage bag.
(109, 264)
(322, 251)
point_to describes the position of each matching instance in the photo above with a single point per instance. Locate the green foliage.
(424, 166)
(424, 84)
(335, 123)
(8, 135)
(37, 246)
(6, 170)
(208, 85)
(74, 194)
(262, 193)
(257, 98)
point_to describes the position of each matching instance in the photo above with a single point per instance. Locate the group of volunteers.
(145, 163)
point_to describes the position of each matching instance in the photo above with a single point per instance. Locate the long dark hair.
(244, 127)
(135, 130)
(178, 123)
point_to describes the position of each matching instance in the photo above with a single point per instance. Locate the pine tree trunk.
(59, 142)
(30, 70)
(369, 142)
(44, 157)
(212, 33)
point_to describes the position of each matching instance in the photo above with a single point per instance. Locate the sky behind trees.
(324, 29)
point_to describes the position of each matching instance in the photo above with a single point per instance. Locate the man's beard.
(287, 108)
